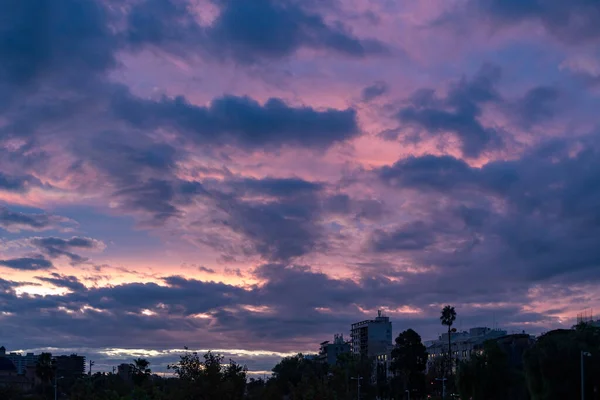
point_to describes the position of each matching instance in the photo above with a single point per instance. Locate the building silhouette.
(330, 351)
(464, 344)
(72, 366)
(21, 362)
(9, 377)
(371, 337)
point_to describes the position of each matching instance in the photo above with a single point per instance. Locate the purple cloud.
(13, 221)
(27, 263)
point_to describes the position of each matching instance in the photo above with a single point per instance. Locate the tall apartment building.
(371, 337)
(72, 366)
(20, 361)
(330, 351)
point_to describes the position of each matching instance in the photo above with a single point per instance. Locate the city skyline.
(108, 359)
(252, 176)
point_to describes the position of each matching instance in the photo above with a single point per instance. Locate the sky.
(252, 176)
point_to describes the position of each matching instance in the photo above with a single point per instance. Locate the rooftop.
(6, 365)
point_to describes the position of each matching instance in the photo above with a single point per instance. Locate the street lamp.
(357, 379)
(443, 386)
(408, 393)
(56, 378)
(583, 354)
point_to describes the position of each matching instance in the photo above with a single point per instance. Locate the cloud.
(154, 196)
(240, 120)
(343, 204)
(244, 31)
(19, 184)
(17, 221)
(47, 38)
(436, 172)
(64, 281)
(278, 229)
(279, 187)
(458, 112)
(414, 236)
(571, 21)
(55, 247)
(526, 216)
(539, 104)
(27, 263)
(377, 89)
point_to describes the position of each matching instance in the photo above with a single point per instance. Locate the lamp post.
(583, 354)
(443, 386)
(407, 394)
(357, 379)
(56, 378)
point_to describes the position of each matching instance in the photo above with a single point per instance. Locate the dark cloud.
(446, 174)
(413, 236)
(42, 38)
(439, 173)
(537, 105)
(207, 270)
(458, 112)
(277, 229)
(535, 217)
(343, 204)
(571, 21)
(64, 281)
(19, 184)
(143, 175)
(27, 263)
(285, 218)
(377, 89)
(154, 196)
(275, 29)
(280, 187)
(16, 221)
(56, 247)
(162, 23)
(244, 31)
(129, 159)
(240, 120)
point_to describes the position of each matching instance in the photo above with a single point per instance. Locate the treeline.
(551, 369)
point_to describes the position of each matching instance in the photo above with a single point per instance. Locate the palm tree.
(44, 367)
(447, 318)
(140, 370)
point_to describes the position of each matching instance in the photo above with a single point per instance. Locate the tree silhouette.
(409, 359)
(552, 365)
(45, 368)
(447, 317)
(486, 376)
(140, 371)
(209, 378)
